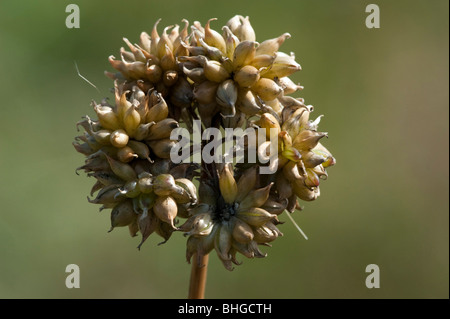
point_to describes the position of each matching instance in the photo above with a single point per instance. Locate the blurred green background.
(385, 96)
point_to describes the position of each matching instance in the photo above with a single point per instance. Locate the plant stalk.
(199, 272)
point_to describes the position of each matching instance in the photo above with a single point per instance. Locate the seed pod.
(164, 185)
(147, 225)
(266, 89)
(291, 172)
(170, 78)
(145, 184)
(227, 184)
(283, 65)
(263, 61)
(130, 189)
(214, 71)
(131, 121)
(235, 23)
(107, 196)
(212, 53)
(196, 74)
(244, 54)
(289, 86)
(159, 111)
(126, 154)
(189, 187)
(272, 45)
(231, 42)
(303, 192)
(140, 149)
(168, 60)
(153, 72)
(255, 198)
(205, 92)
(162, 129)
(107, 117)
(102, 137)
(222, 242)
(311, 159)
(307, 140)
(181, 94)
(246, 32)
(255, 216)
(207, 194)
(226, 95)
(142, 131)
(283, 186)
(213, 38)
(247, 102)
(246, 182)
(247, 76)
(162, 43)
(242, 232)
(268, 121)
(122, 170)
(122, 215)
(311, 180)
(119, 138)
(264, 234)
(291, 153)
(274, 207)
(165, 209)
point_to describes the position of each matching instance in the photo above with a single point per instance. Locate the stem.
(199, 271)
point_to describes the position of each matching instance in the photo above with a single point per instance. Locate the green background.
(384, 93)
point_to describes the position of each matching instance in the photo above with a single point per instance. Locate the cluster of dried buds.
(226, 80)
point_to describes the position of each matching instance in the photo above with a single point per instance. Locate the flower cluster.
(226, 79)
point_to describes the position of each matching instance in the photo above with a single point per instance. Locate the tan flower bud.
(140, 149)
(126, 154)
(247, 76)
(122, 170)
(122, 215)
(159, 111)
(142, 131)
(214, 71)
(255, 216)
(246, 32)
(153, 73)
(263, 61)
(266, 89)
(131, 121)
(227, 184)
(107, 117)
(165, 209)
(271, 46)
(255, 198)
(242, 232)
(162, 129)
(214, 38)
(283, 65)
(226, 97)
(243, 54)
(307, 140)
(231, 42)
(205, 92)
(119, 138)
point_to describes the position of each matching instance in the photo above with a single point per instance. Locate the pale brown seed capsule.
(126, 154)
(266, 89)
(283, 186)
(142, 131)
(213, 53)
(255, 198)
(162, 147)
(243, 54)
(303, 192)
(264, 234)
(311, 159)
(213, 38)
(246, 182)
(291, 172)
(122, 170)
(231, 42)
(168, 60)
(263, 61)
(102, 137)
(275, 206)
(107, 196)
(162, 129)
(227, 184)
(283, 65)
(162, 43)
(247, 102)
(246, 32)
(247, 76)
(289, 86)
(268, 121)
(153, 72)
(107, 117)
(312, 179)
(122, 104)
(242, 232)
(272, 45)
(154, 36)
(170, 78)
(207, 111)
(137, 53)
(119, 138)
(226, 96)
(189, 187)
(181, 93)
(196, 74)
(205, 92)
(307, 140)
(147, 225)
(145, 41)
(158, 111)
(165, 209)
(255, 216)
(122, 215)
(131, 121)
(140, 149)
(214, 71)
(222, 242)
(235, 23)
(145, 184)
